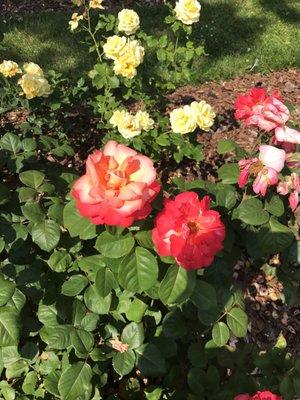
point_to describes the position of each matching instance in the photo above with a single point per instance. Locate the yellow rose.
(136, 51)
(204, 114)
(144, 120)
(114, 46)
(129, 126)
(117, 117)
(34, 86)
(32, 68)
(188, 11)
(9, 69)
(75, 21)
(183, 120)
(129, 21)
(125, 66)
(96, 4)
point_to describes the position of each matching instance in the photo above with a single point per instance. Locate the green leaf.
(251, 212)
(75, 381)
(138, 271)
(11, 142)
(105, 281)
(74, 285)
(57, 337)
(114, 246)
(82, 341)
(226, 197)
(30, 382)
(225, 146)
(274, 237)
(51, 382)
(27, 194)
(150, 360)
(274, 205)
(237, 321)
(220, 334)
(16, 369)
(123, 363)
(46, 234)
(177, 285)
(95, 302)
(229, 173)
(7, 289)
(32, 178)
(4, 194)
(77, 225)
(133, 335)
(174, 324)
(136, 310)
(59, 261)
(9, 327)
(33, 212)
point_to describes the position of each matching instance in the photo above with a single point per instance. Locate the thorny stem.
(89, 30)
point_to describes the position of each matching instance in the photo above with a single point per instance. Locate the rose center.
(115, 179)
(193, 226)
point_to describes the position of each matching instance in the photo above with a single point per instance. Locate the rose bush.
(114, 284)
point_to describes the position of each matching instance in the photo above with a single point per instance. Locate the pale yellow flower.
(129, 126)
(129, 21)
(204, 114)
(144, 120)
(137, 52)
(96, 4)
(114, 46)
(32, 68)
(117, 117)
(9, 69)
(188, 11)
(77, 3)
(34, 86)
(75, 21)
(183, 120)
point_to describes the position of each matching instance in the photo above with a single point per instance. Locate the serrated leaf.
(105, 281)
(237, 321)
(177, 285)
(150, 360)
(77, 225)
(220, 334)
(75, 381)
(114, 246)
(138, 271)
(133, 335)
(32, 178)
(74, 285)
(123, 363)
(251, 212)
(46, 234)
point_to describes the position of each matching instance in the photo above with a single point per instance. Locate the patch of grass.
(239, 36)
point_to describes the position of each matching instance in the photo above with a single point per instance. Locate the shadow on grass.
(283, 11)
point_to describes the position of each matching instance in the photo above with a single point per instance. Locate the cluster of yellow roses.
(32, 82)
(186, 119)
(130, 125)
(127, 55)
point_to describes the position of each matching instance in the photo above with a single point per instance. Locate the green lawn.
(239, 35)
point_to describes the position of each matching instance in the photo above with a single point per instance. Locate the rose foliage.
(117, 279)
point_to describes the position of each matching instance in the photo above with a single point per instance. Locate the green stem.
(92, 34)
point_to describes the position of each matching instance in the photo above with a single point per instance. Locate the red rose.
(189, 231)
(243, 397)
(266, 395)
(118, 186)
